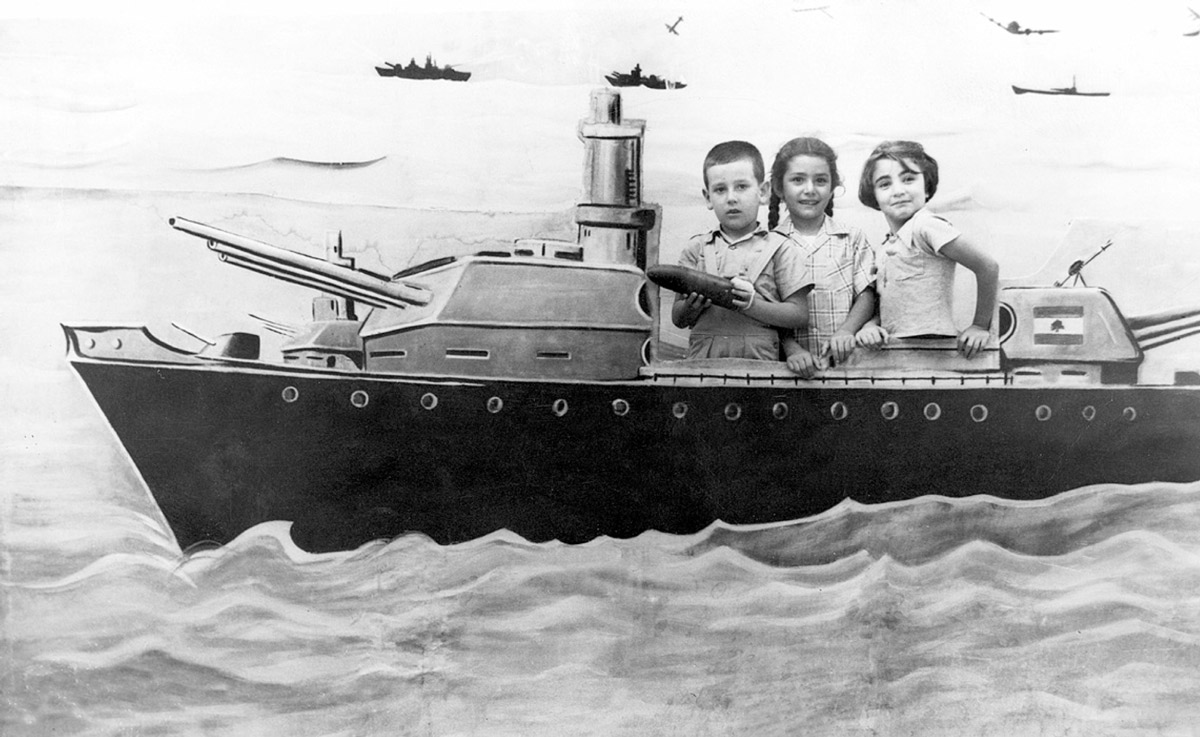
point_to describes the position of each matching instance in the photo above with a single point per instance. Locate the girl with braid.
(838, 257)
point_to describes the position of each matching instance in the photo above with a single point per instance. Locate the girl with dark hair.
(921, 252)
(838, 257)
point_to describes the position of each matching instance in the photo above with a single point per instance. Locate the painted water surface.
(1077, 615)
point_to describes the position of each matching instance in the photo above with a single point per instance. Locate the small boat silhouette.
(1072, 90)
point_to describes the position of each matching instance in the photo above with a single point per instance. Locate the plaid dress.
(842, 264)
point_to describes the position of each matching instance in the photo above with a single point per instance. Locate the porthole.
(1130, 414)
(290, 394)
(780, 410)
(620, 407)
(979, 413)
(679, 409)
(1089, 413)
(495, 404)
(889, 410)
(1008, 322)
(559, 407)
(1042, 413)
(116, 344)
(733, 411)
(933, 411)
(90, 343)
(839, 411)
(359, 398)
(428, 400)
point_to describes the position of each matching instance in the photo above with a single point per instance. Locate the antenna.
(1075, 272)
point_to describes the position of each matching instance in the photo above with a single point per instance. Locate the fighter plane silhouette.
(1015, 27)
(823, 8)
(671, 26)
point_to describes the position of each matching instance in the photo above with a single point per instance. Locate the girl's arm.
(799, 359)
(841, 345)
(987, 283)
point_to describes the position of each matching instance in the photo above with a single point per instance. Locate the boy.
(771, 284)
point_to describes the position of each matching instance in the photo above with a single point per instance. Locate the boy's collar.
(718, 233)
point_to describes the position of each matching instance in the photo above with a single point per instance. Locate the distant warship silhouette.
(635, 78)
(429, 71)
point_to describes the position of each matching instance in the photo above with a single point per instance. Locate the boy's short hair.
(731, 151)
(898, 151)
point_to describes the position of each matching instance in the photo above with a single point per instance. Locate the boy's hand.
(803, 362)
(694, 306)
(743, 293)
(840, 346)
(972, 341)
(871, 336)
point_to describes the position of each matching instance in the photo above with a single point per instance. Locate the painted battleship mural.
(524, 390)
(429, 71)
(635, 78)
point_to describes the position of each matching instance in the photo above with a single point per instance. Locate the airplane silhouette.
(671, 26)
(823, 8)
(1015, 27)
(1195, 16)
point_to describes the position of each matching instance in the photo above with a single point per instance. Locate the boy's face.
(899, 190)
(735, 195)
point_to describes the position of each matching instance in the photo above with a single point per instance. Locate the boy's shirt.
(722, 333)
(916, 282)
(784, 275)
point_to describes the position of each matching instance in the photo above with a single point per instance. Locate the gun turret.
(308, 271)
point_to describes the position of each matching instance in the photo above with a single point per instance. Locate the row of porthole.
(733, 411)
(90, 343)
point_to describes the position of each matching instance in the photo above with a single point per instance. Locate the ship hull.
(1067, 93)
(225, 447)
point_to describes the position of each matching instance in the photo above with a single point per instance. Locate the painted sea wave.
(1079, 611)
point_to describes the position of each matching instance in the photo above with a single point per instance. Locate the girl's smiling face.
(807, 189)
(899, 190)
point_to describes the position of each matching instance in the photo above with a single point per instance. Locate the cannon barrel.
(1161, 318)
(1161, 328)
(304, 270)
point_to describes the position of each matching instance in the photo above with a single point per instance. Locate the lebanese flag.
(1060, 325)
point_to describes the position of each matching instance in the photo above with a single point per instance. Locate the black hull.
(221, 450)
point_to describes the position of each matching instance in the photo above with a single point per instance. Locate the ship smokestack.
(614, 225)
